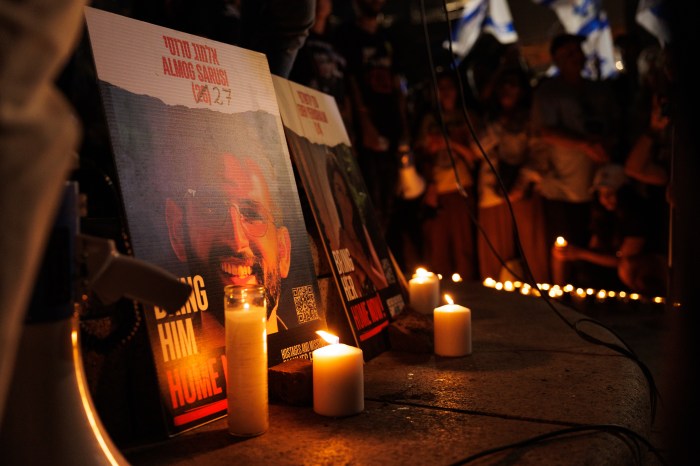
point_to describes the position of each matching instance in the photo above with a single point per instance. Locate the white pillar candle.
(452, 326)
(338, 379)
(246, 360)
(424, 291)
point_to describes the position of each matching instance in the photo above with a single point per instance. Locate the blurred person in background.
(447, 226)
(619, 253)
(510, 145)
(577, 118)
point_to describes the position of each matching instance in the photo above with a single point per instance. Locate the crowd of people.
(521, 160)
(510, 159)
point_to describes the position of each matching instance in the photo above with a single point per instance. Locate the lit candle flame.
(448, 298)
(421, 272)
(456, 277)
(561, 242)
(329, 337)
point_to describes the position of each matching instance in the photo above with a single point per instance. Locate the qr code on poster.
(305, 304)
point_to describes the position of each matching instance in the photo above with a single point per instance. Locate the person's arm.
(631, 246)
(640, 164)
(463, 151)
(594, 150)
(545, 124)
(575, 253)
(430, 141)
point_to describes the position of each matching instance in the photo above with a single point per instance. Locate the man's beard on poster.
(212, 274)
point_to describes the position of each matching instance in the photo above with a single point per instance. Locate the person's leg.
(461, 255)
(277, 28)
(529, 215)
(497, 230)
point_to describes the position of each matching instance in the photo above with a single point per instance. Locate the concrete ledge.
(529, 374)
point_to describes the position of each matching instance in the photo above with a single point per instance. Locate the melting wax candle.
(452, 329)
(338, 379)
(424, 291)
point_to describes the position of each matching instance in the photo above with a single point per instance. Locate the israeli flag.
(492, 16)
(499, 22)
(587, 18)
(651, 14)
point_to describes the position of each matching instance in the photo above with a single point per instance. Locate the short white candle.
(452, 326)
(246, 360)
(338, 379)
(424, 291)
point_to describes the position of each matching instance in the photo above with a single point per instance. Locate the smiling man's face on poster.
(226, 228)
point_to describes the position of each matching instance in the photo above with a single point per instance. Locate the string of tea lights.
(558, 291)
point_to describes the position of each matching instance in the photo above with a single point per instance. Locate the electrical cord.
(625, 349)
(612, 429)
(632, 439)
(445, 135)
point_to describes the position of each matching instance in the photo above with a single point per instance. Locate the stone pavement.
(529, 377)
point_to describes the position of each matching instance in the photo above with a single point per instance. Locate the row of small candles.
(557, 291)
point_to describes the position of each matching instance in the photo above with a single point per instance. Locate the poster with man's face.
(209, 195)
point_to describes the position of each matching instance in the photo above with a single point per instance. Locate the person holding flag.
(587, 19)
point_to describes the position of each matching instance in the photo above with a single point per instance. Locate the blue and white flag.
(499, 22)
(587, 18)
(492, 16)
(652, 15)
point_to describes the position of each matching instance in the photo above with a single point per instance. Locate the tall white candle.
(452, 325)
(246, 360)
(424, 291)
(338, 379)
